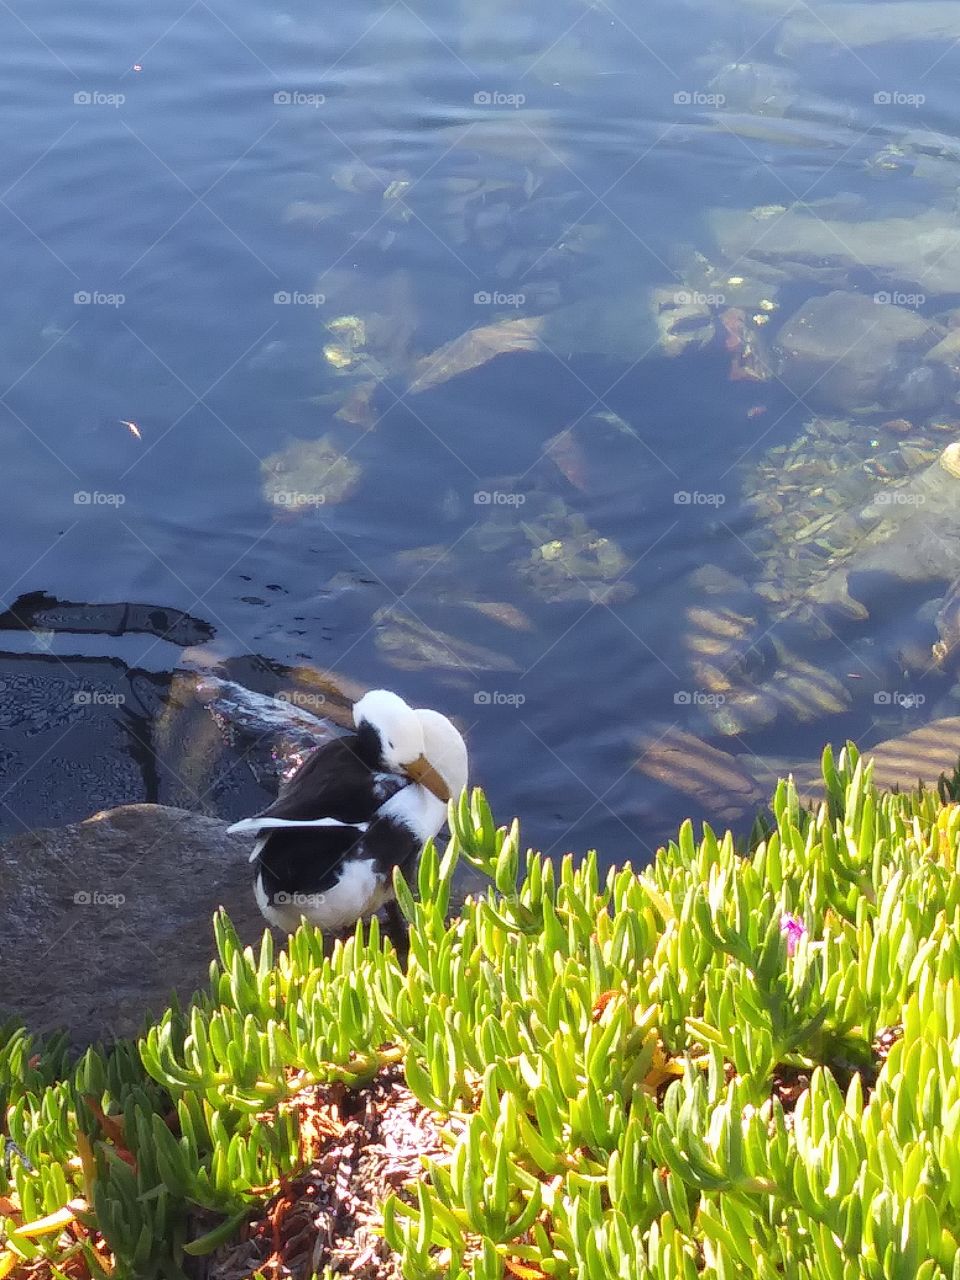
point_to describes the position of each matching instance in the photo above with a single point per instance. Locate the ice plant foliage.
(724, 1065)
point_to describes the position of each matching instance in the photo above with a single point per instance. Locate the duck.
(355, 809)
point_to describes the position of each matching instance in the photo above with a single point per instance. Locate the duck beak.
(423, 772)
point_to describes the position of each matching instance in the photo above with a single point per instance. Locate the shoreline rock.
(103, 919)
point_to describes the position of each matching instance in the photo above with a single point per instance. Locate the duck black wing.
(337, 781)
(305, 860)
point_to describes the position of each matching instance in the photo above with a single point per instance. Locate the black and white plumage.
(355, 809)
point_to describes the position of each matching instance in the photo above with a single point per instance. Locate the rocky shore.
(104, 919)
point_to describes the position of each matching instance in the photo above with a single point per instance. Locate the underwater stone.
(947, 648)
(308, 474)
(849, 26)
(915, 538)
(718, 782)
(877, 344)
(947, 351)
(920, 252)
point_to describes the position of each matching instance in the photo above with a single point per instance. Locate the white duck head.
(396, 726)
(443, 767)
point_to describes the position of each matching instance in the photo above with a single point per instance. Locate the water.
(183, 183)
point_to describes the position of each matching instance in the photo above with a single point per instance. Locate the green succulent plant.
(726, 1064)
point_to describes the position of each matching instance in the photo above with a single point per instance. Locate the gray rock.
(847, 351)
(852, 26)
(102, 920)
(919, 253)
(913, 537)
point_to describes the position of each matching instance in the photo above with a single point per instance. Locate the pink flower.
(793, 929)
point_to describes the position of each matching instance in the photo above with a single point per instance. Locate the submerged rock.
(612, 323)
(947, 648)
(811, 516)
(411, 645)
(719, 783)
(899, 763)
(474, 348)
(761, 87)
(102, 920)
(851, 26)
(684, 322)
(848, 351)
(915, 537)
(350, 334)
(732, 788)
(920, 253)
(568, 560)
(947, 352)
(308, 474)
(797, 691)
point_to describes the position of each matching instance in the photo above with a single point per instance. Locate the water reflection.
(592, 381)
